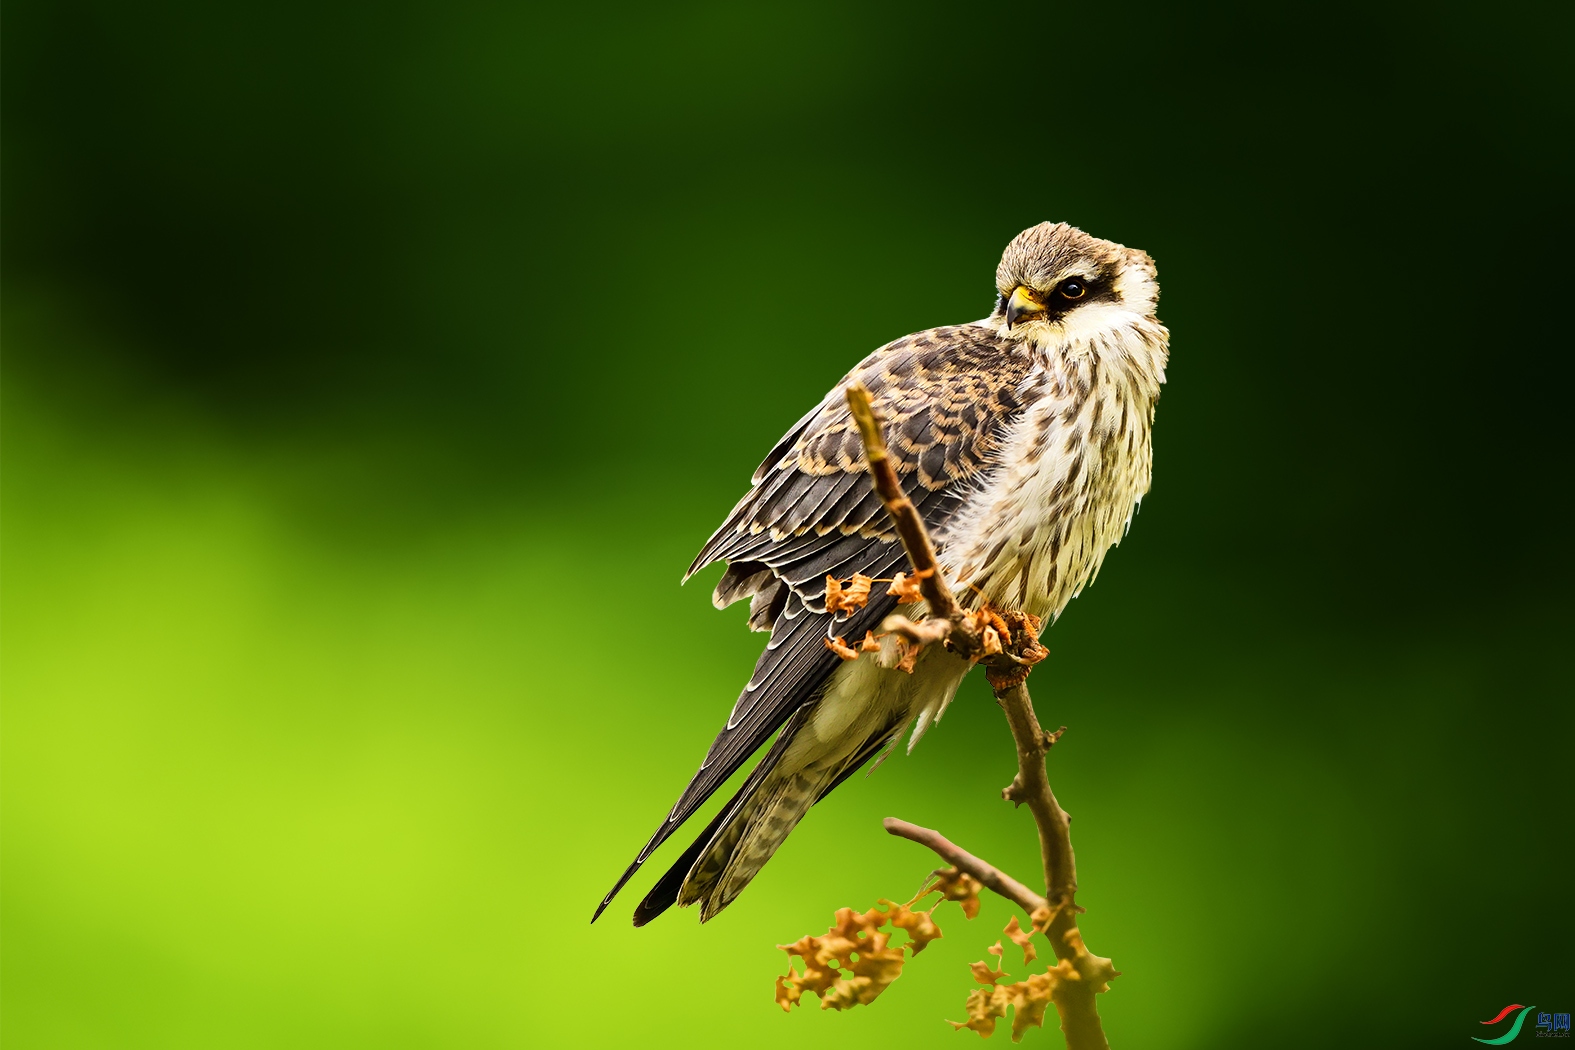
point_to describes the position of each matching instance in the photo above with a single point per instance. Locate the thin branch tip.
(858, 396)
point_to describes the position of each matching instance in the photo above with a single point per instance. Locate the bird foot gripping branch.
(1023, 649)
(1007, 640)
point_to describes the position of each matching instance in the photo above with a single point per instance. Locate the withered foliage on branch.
(1029, 998)
(1023, 939)
(851, 964)
(961, 887)
(854, 961)
(920, 927)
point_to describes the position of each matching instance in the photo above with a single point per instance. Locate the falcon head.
(1057, 283)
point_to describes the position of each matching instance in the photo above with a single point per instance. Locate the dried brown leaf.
(1023, 939)
(840, 646)
(824, 959)
(818, 975)
(873, 972)
(961, 887)
(1030, 998)
(788, 992)
(984, 973)
(984, 1007)
(920, 926)
(846, 994)
(870, 644)
(906, 588)
(855, 594)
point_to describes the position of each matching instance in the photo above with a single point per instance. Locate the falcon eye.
(1072, 288)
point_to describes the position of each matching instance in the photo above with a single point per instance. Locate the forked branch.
(1009, 656)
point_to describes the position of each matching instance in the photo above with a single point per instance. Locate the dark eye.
(1072, 288)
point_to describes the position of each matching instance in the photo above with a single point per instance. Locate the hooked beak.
(1022, 306)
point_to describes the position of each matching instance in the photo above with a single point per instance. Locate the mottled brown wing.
(944, 396)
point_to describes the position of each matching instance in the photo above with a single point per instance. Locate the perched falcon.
(1024, 441)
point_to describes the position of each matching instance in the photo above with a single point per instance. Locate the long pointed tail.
(714, 870)
(744, 843)
(665, 893)
(749, 830)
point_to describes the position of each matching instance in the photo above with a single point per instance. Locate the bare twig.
(1008, 666)
(1031, 785)
(992, 877)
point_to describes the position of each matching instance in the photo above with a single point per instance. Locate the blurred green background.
(350, 350)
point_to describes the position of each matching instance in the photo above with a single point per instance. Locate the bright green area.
(367, 389)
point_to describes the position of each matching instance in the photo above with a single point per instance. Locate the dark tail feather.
(722, 861)
(665, 893)
(749, 838)
(757, 829)
(730, 824)
(651, 907)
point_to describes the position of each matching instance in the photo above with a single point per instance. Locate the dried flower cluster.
(854, 961)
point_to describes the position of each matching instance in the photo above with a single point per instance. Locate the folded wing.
(944, 396)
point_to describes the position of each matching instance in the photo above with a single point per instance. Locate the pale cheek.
(1086, 323)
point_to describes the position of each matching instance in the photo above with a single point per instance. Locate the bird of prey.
(1024, 441)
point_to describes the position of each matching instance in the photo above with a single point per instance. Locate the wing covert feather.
(943, 394)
